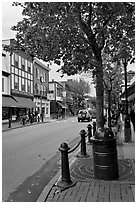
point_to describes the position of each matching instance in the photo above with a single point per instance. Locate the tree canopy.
(79, 89)
(76, 34)
(72, 32)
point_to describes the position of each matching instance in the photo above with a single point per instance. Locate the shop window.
(5, 113)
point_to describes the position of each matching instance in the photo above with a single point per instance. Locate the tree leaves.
(52, 30)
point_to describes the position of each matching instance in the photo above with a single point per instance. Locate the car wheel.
(78, 120)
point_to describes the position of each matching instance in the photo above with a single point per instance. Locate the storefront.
(15, 107)
(9, 105)
(42, 105)
(58, 108)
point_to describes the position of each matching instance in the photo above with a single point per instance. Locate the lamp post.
(127, 129)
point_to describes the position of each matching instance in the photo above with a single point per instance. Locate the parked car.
(84, 115)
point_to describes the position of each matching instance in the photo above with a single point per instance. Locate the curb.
(48, 188)
(44, 194)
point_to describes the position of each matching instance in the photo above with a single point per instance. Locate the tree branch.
(103, 41)
(89, 17)
(102, 32)
(89, 33)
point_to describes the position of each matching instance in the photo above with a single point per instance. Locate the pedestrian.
(31, 118)
(41, 117)
(23, 119)
(38, 117)
(132, 117)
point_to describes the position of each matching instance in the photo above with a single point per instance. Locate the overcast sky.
(10, 16)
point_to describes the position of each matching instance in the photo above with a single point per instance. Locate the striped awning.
(25, 102)
(9, 101)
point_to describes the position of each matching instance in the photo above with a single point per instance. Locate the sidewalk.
(88, 189)
(14, 125)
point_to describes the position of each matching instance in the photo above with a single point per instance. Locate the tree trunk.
(109, 107)
(100, 95)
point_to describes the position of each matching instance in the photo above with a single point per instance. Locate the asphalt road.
(30, 157)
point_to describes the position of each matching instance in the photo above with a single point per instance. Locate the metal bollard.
(65, 181)
(89, 134)
(94, 127)
(83, 145)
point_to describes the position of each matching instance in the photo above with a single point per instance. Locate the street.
(26, 150)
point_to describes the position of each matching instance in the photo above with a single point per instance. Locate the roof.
(41, 63)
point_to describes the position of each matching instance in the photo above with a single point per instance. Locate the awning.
(25, 102)
(9, 101)
(61, 104)
(131, 97)
(130, 91)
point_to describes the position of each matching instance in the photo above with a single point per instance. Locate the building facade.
(55, 95)
(68, 99)
(7, 100)
(20, 82)
(41, 86)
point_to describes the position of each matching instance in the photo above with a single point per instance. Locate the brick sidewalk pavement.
(93, 190)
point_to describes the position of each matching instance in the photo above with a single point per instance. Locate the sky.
(10, 16)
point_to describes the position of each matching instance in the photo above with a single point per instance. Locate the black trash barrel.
(105, 159)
